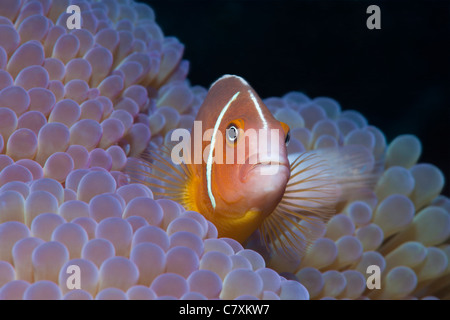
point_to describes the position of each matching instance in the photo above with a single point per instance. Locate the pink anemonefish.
(238, 197)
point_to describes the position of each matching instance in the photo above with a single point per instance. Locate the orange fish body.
(229, 192)
(236, 171)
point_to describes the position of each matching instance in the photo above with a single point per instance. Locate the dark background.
(397, 77)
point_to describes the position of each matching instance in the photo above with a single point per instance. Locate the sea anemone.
(75, 105)
(402, 225)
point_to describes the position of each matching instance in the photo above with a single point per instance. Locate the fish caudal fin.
(319, 180)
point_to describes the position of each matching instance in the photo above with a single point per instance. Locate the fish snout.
(265, 183)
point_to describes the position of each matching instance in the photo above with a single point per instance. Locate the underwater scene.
(221, 150)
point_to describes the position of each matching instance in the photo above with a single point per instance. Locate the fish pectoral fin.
(319, 180)
(155, 169)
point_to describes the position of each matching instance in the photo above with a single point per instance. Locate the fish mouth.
(269, 168)
(264, 183)
(265, 167)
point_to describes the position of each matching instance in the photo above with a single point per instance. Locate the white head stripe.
(211, 149)
(258, 108)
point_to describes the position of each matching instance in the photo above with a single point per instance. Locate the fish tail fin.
(320, 179)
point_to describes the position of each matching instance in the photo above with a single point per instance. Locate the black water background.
(398, 77)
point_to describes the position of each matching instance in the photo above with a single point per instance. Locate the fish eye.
(288, 138)
(232, 133)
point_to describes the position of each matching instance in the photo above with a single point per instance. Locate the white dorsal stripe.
(221, 78)
(230, 76)
(211, 149)
(245, 83)
(258, 108)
